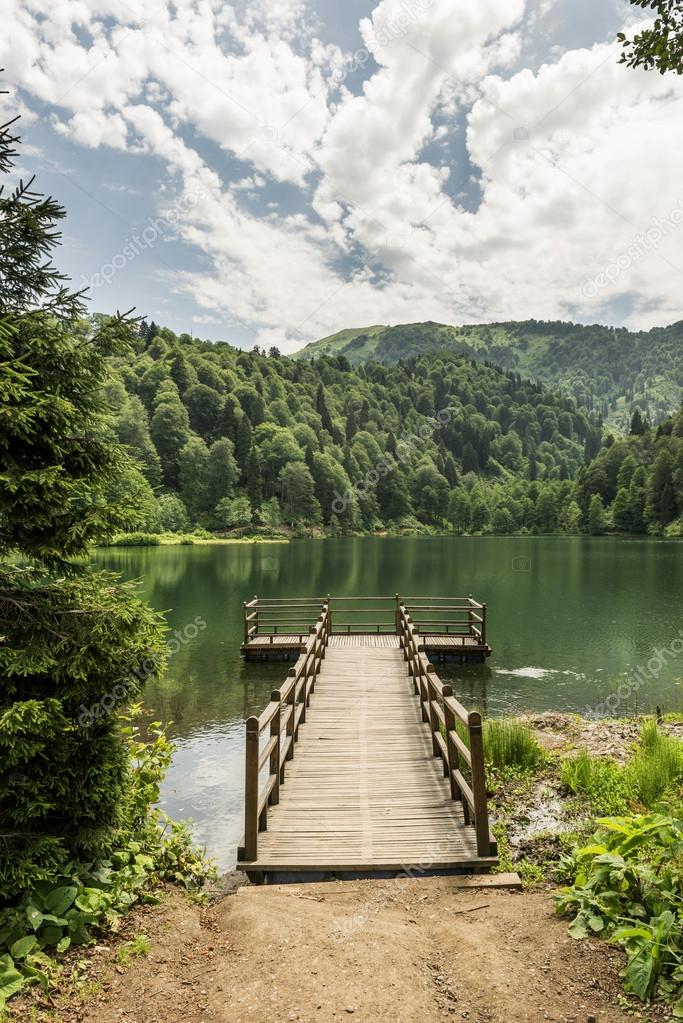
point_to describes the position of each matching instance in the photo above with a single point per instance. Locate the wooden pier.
(450, 628)
(364, 763)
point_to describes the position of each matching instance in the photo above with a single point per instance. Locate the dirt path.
(411, 951)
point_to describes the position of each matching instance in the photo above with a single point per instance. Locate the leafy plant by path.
(628, 887)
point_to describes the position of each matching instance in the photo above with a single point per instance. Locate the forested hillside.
(637, 480)
(611, 369)
(228, 439)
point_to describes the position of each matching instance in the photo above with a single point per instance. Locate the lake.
(570, 620)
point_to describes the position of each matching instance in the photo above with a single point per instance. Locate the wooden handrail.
(440, 616)
(441, 711)
(282, 717)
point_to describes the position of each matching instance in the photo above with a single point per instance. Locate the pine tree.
(170, 431)
(661, 496)
(254, 479)
(639, 424)
(243, 443)
(184, 375)
(193, 477)
(71, 637)
(450, 470)
(596, 516)
(323, 411)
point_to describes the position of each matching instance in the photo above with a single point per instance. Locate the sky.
(271, 171)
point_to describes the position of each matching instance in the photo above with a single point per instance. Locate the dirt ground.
(603, 737)
(405, 951)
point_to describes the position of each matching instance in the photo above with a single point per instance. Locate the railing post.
(291, 700)
(244, 617)
(320, 634)
(251, 824)
(275, 730)
(431, 710)
(397, 616)
(410, 642)
(483, 624)
(453, 755)
(329, 615)
(256, 620)
(481, 813)
(470, 619)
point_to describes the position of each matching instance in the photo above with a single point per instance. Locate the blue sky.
(272, 172)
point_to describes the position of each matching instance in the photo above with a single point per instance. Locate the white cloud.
(574, 158)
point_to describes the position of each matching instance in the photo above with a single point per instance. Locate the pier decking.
(363, 763)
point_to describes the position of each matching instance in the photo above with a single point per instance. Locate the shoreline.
(192, 540)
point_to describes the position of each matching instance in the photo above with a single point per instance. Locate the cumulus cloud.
(572, 159)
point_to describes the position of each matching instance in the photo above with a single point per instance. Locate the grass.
(657, 767)
(602, 781)
(511, 743)
(655, 770)
(139, 946)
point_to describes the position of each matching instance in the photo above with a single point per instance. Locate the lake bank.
(288, 534)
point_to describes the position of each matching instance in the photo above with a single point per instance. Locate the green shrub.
(80, 650)
(203, 534)
(135, 540)
(511, 743)
(82, 899)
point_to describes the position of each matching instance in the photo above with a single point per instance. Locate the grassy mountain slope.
(611, 369)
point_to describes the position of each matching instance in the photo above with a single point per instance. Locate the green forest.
(232, 441)
(610, 369)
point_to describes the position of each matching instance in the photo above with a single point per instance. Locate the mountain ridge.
(611, 369)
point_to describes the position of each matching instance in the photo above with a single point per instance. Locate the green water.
(569, 620)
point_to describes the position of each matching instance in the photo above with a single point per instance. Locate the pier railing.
(435, 616)
(279, 725)
(460, 748)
